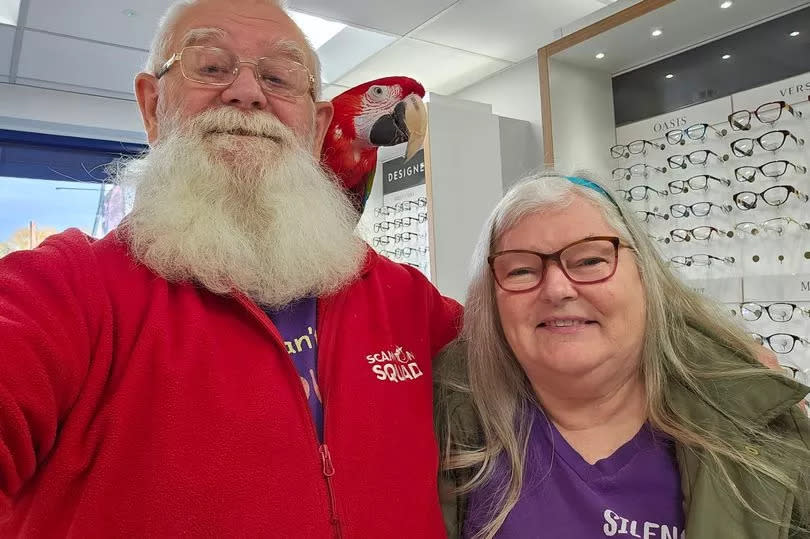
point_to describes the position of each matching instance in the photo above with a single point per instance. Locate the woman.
(592, 394)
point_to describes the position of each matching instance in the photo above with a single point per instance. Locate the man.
(233, 361)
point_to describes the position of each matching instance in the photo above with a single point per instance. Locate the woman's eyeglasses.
(770, 141)
(633, 148)
(772, 169)
(698, 209)
(781, 343)
(767, 113)
(701, 260)
(639, 169)
(698, 157)
(640, 192)
(697, 183)
(778, 312)
(646, 216)
(701, 233)
(773, 196)
(587, 261)
(693, 132)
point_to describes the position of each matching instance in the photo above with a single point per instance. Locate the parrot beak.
(416, 122)
(408, 123)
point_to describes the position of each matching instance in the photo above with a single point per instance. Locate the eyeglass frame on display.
(687, 182)
(690, 260)
(629, 197)
(643, 151)
(766, 309)
(758, 140)
(648, 214)
(789, 188)
(691, 208)
(768, 228)
(760, 169)
(630, 172)
(720, 133)
(688, 157)
(762, 340)
(755, 114)
(690, 233)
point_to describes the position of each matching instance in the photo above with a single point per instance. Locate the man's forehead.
(215, 35)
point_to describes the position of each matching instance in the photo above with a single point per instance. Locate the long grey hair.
(682, 328)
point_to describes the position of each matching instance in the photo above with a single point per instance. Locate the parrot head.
(382, 112)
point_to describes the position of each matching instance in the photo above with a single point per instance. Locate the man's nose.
(245, 92)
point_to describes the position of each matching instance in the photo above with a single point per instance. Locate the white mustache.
(230, 121)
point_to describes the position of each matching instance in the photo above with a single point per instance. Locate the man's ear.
(323, 117)
(146, 92)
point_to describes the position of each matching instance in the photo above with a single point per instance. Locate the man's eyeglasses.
(587, 261)
(773, 196)
(646, 216)
(640, 192)
(698, 209)
(778, 312)
(698, 157)
(693, 132)
(639, 169)
(697, 183)
(219, 67)
(701, 233)
(701, 260)
(767, 113)
(772, 169)
(777, 224)
(633, 148)
(781, 343)
(770, 141)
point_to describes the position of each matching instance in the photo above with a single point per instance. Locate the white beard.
(256, 214)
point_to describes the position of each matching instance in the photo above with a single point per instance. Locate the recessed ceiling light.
(129, 12)
(657, 32)
(727, 4)
(726, 56)
(600, 55)
(670, 76)
(795, 33)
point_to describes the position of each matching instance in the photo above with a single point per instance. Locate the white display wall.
(753, 257)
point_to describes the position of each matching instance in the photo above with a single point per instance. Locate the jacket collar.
(755, 398)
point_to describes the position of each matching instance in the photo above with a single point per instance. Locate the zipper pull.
(326, 458)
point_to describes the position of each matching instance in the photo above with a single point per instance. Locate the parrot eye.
(377, 93)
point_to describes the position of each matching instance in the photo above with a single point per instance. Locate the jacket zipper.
(326, 456)
(327, 467)
(328, 472)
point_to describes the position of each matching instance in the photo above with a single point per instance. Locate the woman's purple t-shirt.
(633, 493)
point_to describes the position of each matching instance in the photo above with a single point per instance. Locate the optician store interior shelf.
(723, 187)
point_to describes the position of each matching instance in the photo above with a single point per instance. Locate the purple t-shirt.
(296, 323)
(635, 492)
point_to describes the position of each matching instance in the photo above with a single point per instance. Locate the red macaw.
(383, 112)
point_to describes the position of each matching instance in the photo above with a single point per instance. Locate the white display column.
(429, 211)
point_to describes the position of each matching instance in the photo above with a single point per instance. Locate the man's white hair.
(159, 50)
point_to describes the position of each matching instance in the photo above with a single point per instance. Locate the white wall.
(514, 93)
(55, 112)
(582, 118)
(465, 172)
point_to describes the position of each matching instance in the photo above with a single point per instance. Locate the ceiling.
(97, 46)
(684, 24)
